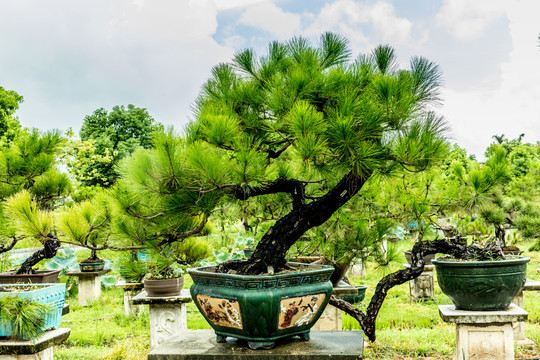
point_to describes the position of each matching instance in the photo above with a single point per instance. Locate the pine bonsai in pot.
(304, 127)
(27, 165)
(87, 224)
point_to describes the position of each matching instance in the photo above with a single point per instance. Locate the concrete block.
(484, 335)
(202, 345)
(168, 316)
(89, 285)
(38, 349)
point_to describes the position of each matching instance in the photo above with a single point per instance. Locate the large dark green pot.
(263, 308)
(482, 285)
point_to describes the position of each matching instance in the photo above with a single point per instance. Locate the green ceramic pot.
(354, 299)
(92, 266)
(262, 309)
(482, 285)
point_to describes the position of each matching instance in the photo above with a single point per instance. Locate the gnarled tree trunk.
(50, 247)
(421, 248)
(270, 252)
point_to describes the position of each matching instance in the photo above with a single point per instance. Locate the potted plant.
(487, 285)
(87, 224)
(26, 310)
(26, 220)
(164, 276)
(301, 130)
(28, 169)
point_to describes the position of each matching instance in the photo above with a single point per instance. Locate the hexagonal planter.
(264, 308)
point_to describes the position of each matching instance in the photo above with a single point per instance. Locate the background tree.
(9, 125)
(107, 137)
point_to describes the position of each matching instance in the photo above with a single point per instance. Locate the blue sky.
(70, 57)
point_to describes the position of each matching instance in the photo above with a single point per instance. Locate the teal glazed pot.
(262, 308)
(482, 285)
(354, 299)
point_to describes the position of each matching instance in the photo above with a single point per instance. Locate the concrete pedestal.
(168, 317)
(483, 335)
(423, 287)
(330, 319)
(519, 327)
(356, 270)
(202, 345)
(130, 291)
(39, 349)
(89, 285)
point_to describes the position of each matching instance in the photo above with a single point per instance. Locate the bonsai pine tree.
(310, 123)
(304, 126)
(29, 165)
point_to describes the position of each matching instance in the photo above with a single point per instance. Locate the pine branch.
(175, 237)
(7, 248)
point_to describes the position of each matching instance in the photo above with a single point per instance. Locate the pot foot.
(254, 345)
(221, 339)
(304, 336)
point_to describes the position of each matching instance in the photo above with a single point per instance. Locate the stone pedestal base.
(519, 327)
(202, 345)
(40, 349)
(330, 319)
(168, 318)
(89, 285)
(357, 270)
(130, 291)
(423, 287)
(483, 335)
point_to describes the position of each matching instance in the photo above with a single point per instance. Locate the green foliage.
(26, 318)
(131, 269)
(10, 128)
(106, 138)
(88, 223)
(23, 213)
(30, 161)
(157, 202)
(234, 251)
(65, 260)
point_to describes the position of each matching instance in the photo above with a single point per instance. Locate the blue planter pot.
(42, 293)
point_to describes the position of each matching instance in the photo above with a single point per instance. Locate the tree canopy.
(107, 137)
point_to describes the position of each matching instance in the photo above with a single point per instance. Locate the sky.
(68, 58)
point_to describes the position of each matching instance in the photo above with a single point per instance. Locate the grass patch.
(405, 330)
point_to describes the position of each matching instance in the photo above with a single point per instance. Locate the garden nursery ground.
(405, 330)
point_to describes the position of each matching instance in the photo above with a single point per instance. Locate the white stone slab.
(37, 349)
(450, 314)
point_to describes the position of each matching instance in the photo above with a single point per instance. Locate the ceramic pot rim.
(312, 269)
(467, 263)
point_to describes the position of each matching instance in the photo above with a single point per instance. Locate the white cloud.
(268, 17)
(468, 19)
(512, 107)
(349, 18)
(82, 56)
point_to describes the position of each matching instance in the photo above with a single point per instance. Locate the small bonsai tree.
(87, 224)
(28, 166)
(155, 212)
